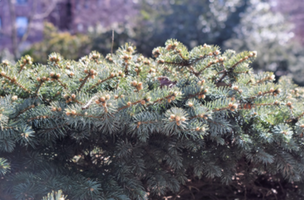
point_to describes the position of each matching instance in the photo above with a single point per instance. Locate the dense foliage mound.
(184, 125)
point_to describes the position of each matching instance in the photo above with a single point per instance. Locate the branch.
(223, 76)
(14, 81)
(30, 20)
(99, 82)
(14, 28)
(50, 8)
(83, 82)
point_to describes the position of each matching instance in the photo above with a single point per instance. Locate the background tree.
(102, 128)
(34, 16)
(191, 22)
(267, 31)
(237, 24)
(70, 46)
(294, 11)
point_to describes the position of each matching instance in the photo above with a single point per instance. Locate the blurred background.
(273, 28)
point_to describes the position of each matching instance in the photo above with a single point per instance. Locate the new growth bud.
(14, 98)
(235, 87)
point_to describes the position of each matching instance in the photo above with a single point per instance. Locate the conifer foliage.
(182, 125)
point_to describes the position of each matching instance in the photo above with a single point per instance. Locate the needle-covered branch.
(130, 127)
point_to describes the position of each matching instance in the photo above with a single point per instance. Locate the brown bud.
(278, 90)
(160, 61)
(102, 99)
(133, 83)
(107, 96)
(73, 112)
(59, 109)
(197, 128)
(54, 109)
(130, 49)
(168, 47)
(172, 116)
(129, 103)
(14, 98)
